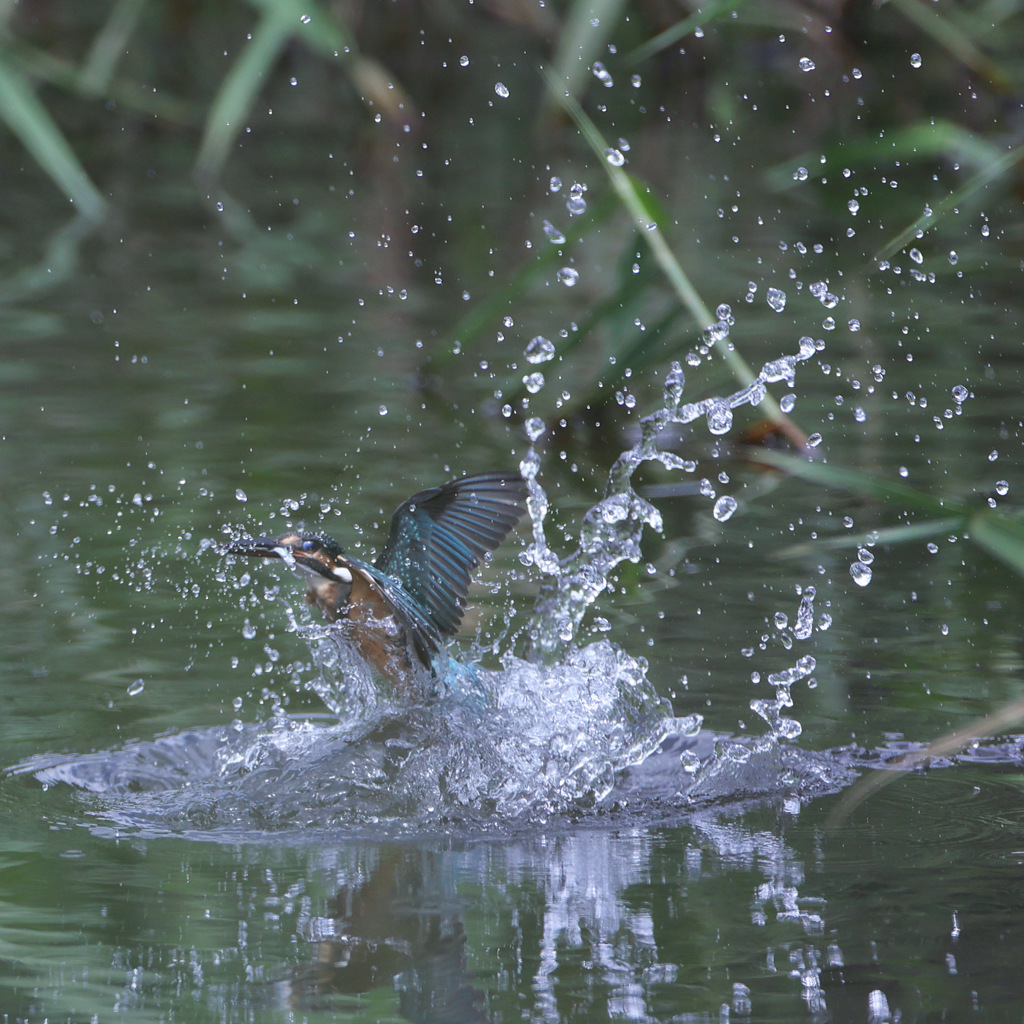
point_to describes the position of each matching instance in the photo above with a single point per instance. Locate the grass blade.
(896, 495)
(30, 121)
(239, 88)
(638, 201)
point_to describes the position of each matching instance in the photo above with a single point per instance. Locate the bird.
(400, 610)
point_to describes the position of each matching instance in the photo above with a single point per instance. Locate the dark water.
(209, 815)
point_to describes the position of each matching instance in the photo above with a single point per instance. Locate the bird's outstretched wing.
(441, 534)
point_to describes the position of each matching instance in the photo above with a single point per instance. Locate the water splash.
(540, 741)
(612, 530)
(568, 728)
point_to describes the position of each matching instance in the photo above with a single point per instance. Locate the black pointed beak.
(260, 547)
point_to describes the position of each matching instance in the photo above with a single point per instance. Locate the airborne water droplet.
(576, 204)
(776, 299)
(136, 688)
(806, 64)
(240, 495)
(719, 418)
(540, 350)
(568, 276)
(724, 508)
(501, 89)
(861, 573)
(552, 233)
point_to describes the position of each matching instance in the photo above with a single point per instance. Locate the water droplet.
(555, 185)
(305, 19)
(953, 257)
(861, 574)
(136, 688)
(568, 276)
(806, 64)
(854, 325)
(552, 233)
(776, 299)
(248, 630)
(857, 73)
(1002, 487)
(464, 61)
(916, 256)
(960, 394)
(675, 381)
(501, 89)
(240, 495)
(716, 332)
(534, 428)
(814, 440)
(786, 402)
(601, 74)
(719, 417)
(635, 81)
(540, 350)
(382, 409)
(915, 60)
(575, 203)
(853, 206)
(614, 157)
(724, 508)
(534, 382)
(800, 174)
(993, 455)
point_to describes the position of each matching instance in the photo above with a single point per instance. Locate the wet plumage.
(400, 610)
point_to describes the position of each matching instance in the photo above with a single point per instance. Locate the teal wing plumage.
(441, 534)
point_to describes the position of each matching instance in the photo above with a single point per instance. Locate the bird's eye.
(311, 545)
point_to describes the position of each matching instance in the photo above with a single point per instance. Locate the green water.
(183, 378)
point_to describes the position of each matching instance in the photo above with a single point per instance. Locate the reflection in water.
(567, 927)
(395, 924)
(716, 912)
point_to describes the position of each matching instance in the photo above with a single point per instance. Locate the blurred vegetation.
(910, 110)
(878, 128)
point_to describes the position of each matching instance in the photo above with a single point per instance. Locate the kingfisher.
(400, 610)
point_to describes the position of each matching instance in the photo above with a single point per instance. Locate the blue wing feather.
(441, 534)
